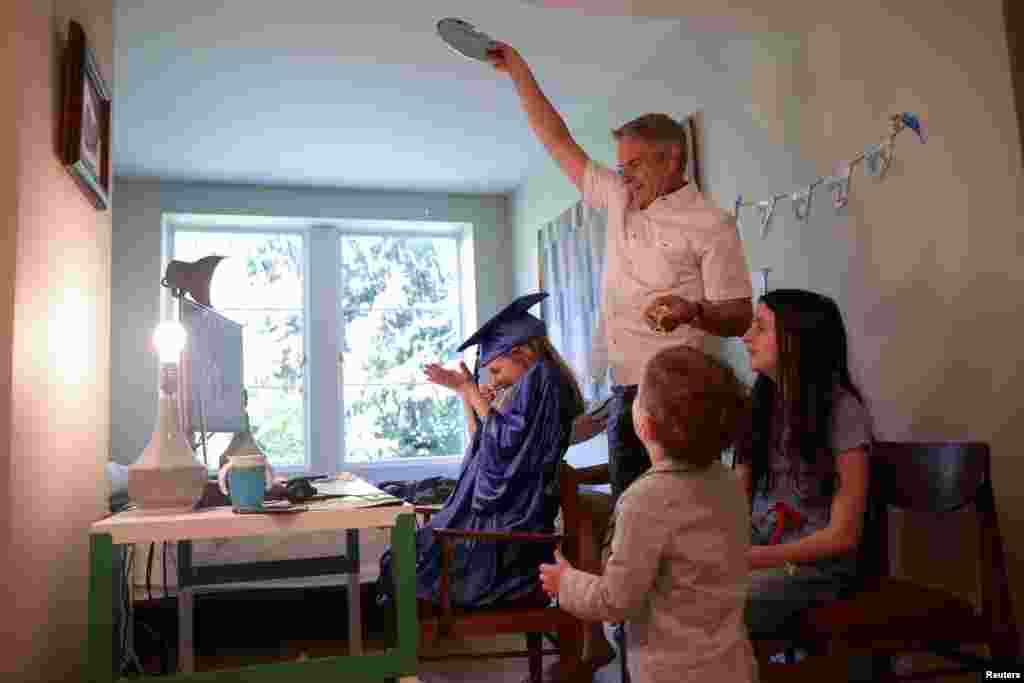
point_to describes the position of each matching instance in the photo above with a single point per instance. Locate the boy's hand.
(551, 574)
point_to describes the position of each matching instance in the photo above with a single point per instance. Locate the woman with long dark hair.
(803, 460)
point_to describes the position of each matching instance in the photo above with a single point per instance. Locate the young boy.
(677, 572)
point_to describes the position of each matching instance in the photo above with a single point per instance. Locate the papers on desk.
(349, 492)
(353, 503)
(350, 502)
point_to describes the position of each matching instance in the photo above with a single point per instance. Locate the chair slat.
(930, 477)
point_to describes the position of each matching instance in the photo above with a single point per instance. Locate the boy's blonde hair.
(697, 404)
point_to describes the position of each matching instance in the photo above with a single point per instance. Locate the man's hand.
(667, 312)
(586, 426)
(455, 380)
(545, 122)
(551, 574)
(507, 59)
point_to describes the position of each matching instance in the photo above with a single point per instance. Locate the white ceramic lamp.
(243, 442)
(168, 477)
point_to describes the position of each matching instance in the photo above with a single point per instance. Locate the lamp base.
(166, 489)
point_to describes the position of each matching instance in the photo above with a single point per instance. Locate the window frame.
(323, 333)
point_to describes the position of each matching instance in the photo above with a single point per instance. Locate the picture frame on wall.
(85, 120)
(694, 170)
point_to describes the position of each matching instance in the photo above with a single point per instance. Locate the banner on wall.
(875, 158)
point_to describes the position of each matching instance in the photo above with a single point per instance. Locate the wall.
(9, 108)
(137, 266)
(925, 264)
(55, 317)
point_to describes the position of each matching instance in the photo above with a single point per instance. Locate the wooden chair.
(534, 615)
(890, 615)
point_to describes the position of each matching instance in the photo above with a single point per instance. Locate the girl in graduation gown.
(509, 475)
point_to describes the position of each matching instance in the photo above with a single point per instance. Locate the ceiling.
(351, 94)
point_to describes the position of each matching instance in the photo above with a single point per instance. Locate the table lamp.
(243, 442)
(168, 477)
(193, 278)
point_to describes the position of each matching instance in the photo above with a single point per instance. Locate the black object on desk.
(272, 507)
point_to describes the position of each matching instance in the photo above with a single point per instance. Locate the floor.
(255, 627)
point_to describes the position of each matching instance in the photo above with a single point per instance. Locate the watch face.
(462, 37)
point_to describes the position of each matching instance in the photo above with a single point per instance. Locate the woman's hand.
(456, 380)
(551, 574)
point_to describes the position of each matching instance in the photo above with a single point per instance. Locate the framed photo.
(85, 121)
(693, 158)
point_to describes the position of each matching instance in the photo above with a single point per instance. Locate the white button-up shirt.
(681, 244)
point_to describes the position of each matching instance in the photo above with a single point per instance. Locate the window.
(399, 305)
(379, 300)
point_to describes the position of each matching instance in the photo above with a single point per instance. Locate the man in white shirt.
(675, 270)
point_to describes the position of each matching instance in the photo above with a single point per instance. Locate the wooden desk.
(220, 522)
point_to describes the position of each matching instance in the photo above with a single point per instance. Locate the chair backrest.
(937, 478)
(568, 491)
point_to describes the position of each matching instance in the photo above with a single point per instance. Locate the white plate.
(464, 39)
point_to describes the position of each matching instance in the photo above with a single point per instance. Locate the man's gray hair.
(660, 129)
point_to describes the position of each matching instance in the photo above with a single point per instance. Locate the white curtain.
(572, 262)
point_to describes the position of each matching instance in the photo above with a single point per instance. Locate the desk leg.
(186, 609)
(355, 612)
(100, 645)
(186, 630)
(403, 546)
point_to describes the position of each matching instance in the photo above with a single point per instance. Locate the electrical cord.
(163, 559)
(149, 571)
(128, 657)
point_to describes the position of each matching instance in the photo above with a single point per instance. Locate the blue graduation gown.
(508, 482)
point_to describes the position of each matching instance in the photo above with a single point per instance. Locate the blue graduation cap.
(508, 329)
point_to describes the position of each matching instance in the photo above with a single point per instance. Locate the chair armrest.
(447, 538)
(427, 511)
(595, 474)
(498, 535)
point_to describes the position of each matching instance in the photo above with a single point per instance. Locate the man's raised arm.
(546, 123)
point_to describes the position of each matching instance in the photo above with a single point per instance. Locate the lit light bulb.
(169, 339)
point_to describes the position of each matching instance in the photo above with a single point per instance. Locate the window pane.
(260, 284)
(388, 346)
(400, 421)
(380, 270)
(274, 352)
(400, 309)
(215, 445)
(262, 270)
(278, 423)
